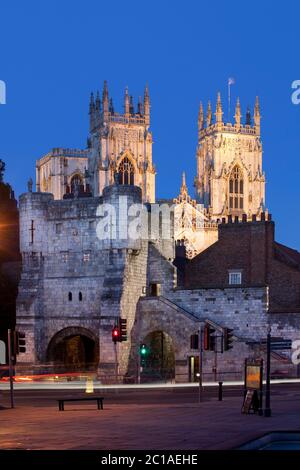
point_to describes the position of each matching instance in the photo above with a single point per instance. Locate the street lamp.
(267, 411)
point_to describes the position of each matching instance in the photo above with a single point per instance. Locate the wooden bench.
(61, 402)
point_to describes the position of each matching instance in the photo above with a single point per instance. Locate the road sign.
(279, 344)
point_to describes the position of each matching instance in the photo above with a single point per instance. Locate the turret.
(257, 116)
(219, 112)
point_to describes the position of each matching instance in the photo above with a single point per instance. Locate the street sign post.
(10, 361)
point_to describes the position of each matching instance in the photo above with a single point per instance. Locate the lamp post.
(267, 411)
(200, 363)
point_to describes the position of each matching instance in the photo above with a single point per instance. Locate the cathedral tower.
(120, 145)
(230, 179)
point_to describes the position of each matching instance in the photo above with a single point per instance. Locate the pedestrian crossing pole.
(10, 364)
(200, 363)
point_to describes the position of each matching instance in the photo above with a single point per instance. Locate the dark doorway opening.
(73, 352)
(158, 359)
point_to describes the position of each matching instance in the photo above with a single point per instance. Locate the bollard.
(89, 387)
(220, 391)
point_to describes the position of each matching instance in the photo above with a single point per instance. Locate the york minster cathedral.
(75, 286)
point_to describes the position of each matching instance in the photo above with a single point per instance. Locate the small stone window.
(64, 257)
(70, 296)
(154, 289)
(86, 257)
(80, 296)
(235, 278)
(58, 229)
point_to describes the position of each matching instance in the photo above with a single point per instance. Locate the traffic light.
(195, 341)
(123, 329)
(115, 334)
(209, 338)
(228, 339)
(143, 353)
(19, 342)
(143, 350)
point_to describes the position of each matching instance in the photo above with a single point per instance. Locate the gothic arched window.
(76, 181)
(236, 189)
(126, 172)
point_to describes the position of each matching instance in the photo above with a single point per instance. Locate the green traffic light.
(143, 350)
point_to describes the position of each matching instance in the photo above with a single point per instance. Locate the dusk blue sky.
(54, 53)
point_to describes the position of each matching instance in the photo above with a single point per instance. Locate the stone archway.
(74, 349)
(158, 360)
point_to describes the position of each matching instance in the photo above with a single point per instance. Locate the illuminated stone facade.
(75, 286)
(230, 177)
(119, 147)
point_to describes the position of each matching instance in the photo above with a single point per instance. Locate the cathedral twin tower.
(229, 181)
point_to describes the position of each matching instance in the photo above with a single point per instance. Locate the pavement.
(209, 425)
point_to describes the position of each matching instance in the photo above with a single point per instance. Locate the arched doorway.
(157, 357)
(74, 349)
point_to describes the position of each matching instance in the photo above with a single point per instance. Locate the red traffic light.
(209, 342)
(115, 334)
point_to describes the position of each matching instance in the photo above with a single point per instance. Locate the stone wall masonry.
(160, 271)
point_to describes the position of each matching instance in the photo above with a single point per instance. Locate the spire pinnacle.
(131, 105)
(238, 115)
(257, 109)
(257, 116)
(98, 101)
(105, 91)
(146, 93)
(208, 115)
(183, 189)
(126, 101)
(105, 99)
(200, 117)
(111, 106)
(248, 116)
(219, 112)
(92, 102)
(147, 105)
(140, 106)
